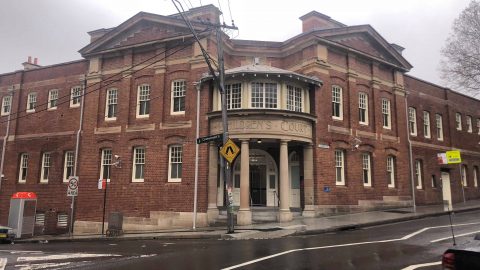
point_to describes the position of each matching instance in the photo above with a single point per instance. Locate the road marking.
(63, 257)
(3, 263)
(457, 235)
(20, 251)
(408, 236)
(416, 266)
(40, 265)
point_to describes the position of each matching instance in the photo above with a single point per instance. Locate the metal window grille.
(112, 100)
(139, 165)
(179, 90)
(176, 162)
(62, 220)
(52, 98)
(40, 219)
(144, 99)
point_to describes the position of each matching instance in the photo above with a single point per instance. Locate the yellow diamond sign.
(230, 151)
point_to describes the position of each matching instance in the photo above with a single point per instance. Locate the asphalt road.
(391, 246)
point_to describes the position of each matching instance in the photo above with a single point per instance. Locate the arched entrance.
(263, 179)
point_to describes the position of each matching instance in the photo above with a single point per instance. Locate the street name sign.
(72, 190)
(211, 138)
(229, 151)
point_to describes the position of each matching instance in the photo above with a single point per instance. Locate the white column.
(308, 183)
(284, 213)
(212, 211)
(244, 216)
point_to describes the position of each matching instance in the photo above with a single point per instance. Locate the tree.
(461, 68)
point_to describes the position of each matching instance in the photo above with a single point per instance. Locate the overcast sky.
(54, 30)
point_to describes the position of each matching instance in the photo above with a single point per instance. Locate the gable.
(365, 39)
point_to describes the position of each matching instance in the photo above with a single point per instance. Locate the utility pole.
(224, 164)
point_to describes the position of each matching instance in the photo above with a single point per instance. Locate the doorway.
(446, 191)
(258, 185)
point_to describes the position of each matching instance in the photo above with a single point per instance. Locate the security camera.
(117, 156)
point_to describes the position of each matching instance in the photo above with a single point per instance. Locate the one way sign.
(229, 151)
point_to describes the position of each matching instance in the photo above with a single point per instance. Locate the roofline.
(44, 67)
(442, 87)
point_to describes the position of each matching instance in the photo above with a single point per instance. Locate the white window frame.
(6, 105)
(46, 165)
(139, 156)
(340, 167)
(106, 163)
(412, 121)
(22, 178)
(469, 124)
(177, 159)
(386, 114)
(367, 167)
(294, 98)
(419, 173)
(262, 101)
(464, 175)
(179, 91)
(475, 176)
(391, 171)
(52, 98)
(439, 123)
(69, 162)
(363, 108)
(75, 96)
(426, 125)
(458, 121)
(233, 94)
(337, 101)
(143, 97)
(478, 125)
(31, 102)
(111, 101)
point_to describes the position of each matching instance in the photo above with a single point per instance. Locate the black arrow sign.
(229, 149)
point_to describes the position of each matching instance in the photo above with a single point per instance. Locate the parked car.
(6, 234)
(463, 257)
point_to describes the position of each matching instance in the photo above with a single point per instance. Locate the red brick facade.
(354, 58)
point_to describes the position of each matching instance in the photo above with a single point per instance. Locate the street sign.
(72, 186)
(453, 157)
(229, 151)
(216, 138)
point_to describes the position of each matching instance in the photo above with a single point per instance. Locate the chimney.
(29, 65)
(317, 21)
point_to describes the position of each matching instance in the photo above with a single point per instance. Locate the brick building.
(325, 121)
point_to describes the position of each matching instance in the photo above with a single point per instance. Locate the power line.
(109, 80)
(221, 14)
(230, 11)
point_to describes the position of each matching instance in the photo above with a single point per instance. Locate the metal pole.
(195, 192)
(77, 147)
(6, 136)
(461, 183)
(104, 205)
(410, 155)
(226, 168)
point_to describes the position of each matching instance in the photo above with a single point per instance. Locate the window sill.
(174, 180)
(363, 124)
(31, 111)
(177, 113)
(22, 182)
(387, 128)
(43, 182)
(138, 180)
(52, 109)
(74, 106)
(337, 119)
(5, 114)
(143, 116)
(110, 119)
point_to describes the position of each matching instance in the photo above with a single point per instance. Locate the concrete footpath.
(299, 226)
